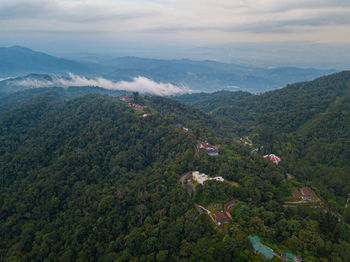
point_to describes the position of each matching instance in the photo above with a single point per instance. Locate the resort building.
(201, 177)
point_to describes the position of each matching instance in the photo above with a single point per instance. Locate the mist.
(138, 84)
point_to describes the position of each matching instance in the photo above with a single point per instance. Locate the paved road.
(185, 183)
(183, 179)
(201, 209)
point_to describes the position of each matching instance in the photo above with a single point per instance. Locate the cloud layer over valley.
(138, 84)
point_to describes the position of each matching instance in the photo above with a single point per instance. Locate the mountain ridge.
(201, 75)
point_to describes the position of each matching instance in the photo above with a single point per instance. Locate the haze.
(311, 33)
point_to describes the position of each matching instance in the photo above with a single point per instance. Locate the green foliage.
(88, 179)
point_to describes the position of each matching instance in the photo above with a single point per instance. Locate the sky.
(262, 32)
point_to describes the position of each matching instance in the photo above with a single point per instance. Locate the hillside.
(91, 179)
(306, 123)
(284, 109)
(10, 100)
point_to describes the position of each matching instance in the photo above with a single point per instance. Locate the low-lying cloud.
(138, 84)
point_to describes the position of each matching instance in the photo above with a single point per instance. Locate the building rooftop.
(260, 248)
(296, 192)
(221, 218)
(291, 257)
(307, 192)
(273, 158)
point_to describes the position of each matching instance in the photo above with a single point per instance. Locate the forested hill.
(93, 179)
(284, 109)
(78, 176)
(306, 123)
(11, 100)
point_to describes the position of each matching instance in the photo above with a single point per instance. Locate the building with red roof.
(221, 218)
(296, 192)
(213, 150)
(275, 159)
(308, 194)
(227, 207)
(125, 98)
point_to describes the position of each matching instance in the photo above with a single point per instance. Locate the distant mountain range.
(206, 76)
(19, 61)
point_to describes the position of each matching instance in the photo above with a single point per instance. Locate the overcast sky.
(269, 32)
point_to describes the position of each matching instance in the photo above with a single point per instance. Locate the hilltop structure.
(201, 177)
(125, 98)
(305, 193)
(135, 106)
(275, 159)
(221, 218)
(212, 150)
(224, 217)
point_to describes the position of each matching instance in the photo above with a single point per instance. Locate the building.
(220, 218)
(206, 145)
(275, 159)
(260, 248)
(217, 178)
(307, 194)
(290, 257)
(296, 193)
(201, 177)
(213, 150)
(125, 98)
(304, 193)
(227, 207)
(135, 106)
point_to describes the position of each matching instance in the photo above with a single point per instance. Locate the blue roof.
(261, 248)
(292, 257)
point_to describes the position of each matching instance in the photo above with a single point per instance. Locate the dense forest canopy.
(306, 123)
(93, 178)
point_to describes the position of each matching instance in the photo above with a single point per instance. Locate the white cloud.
(180, 28)
(139, 84)
(6, 78)
(195, 21)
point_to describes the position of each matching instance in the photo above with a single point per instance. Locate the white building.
(201, 177)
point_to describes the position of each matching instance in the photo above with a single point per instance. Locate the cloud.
(170, 28)
(138, 84)
(6, 78)
(195, 21)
